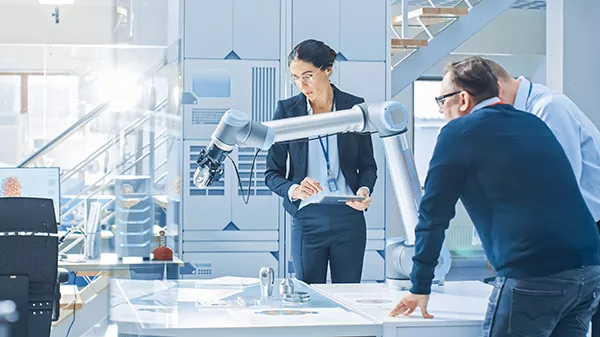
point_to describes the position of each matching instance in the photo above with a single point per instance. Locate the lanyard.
(326, 151)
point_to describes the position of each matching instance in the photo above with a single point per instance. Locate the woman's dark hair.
(315, 52)
(475, 76)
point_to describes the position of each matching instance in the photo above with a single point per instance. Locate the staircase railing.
(118, 143)
(113, 141)
(122, 167)
(425, 32)
(89, 117)
(414, 55)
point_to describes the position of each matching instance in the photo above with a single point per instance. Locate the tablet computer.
(338, 199)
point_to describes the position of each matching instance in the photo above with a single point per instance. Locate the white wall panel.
(363, 25)
(316, 19)
(208, 28)
(256, 29)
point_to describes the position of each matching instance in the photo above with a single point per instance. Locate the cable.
(237, 172)
(75, 285)
(71, 230)
(74, 304)
(246, 199)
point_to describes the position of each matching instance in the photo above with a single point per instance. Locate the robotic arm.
(388, 119)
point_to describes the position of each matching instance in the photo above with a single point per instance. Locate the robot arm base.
(399, 263)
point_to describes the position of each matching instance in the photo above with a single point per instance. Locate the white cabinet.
(364, 79)
(249, 28)
(256, 29)
(362, 28)
(208, 28)
(316, 19)
(355, 28)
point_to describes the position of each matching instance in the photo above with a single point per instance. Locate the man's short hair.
(474, 76)
(500, 72)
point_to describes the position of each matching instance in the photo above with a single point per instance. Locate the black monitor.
(28, 262)
(32, 182)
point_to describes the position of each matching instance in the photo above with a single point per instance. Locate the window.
(10, 94)
(427, 124)
(54, 94)
(10, 119)
(52, 102)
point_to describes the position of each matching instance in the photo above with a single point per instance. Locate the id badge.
(332, 183)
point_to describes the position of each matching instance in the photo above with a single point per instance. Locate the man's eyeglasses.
(440, 99)
(307, 78)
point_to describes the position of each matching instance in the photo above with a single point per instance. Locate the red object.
(163, 253)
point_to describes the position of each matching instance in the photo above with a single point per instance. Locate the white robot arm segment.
(389, 119)
(236, 129)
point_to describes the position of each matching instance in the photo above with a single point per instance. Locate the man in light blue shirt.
(576, 133)
(578, 136)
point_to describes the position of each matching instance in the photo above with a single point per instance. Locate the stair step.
(431, 15)
(67, 300)
(409, 43)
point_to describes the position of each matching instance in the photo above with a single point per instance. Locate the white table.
(458, 308)
(195, 308)
(111, 263)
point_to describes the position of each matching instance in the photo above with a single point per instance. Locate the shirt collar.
(308, 107)
(522, 93)
(486, 103)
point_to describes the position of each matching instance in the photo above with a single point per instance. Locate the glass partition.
(96, 93)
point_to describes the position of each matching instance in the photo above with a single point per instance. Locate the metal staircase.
(428, 34)
(149, 138)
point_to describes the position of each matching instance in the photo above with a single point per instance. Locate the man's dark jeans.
(596, 317)
(559, 305)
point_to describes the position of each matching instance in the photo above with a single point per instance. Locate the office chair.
(8, 315)
(29, 273)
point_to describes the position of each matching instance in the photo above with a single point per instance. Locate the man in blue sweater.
(520, 191)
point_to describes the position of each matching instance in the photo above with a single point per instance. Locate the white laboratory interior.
(280, 168)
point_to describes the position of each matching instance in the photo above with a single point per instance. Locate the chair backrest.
(8, 314)
(29, 262)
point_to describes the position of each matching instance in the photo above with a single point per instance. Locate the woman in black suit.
(339, 164)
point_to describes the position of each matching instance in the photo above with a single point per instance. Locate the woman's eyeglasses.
(306, 78)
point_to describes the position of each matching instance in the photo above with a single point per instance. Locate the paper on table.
(382, 300)
(229, 281)
(293, 316)
(442, 306)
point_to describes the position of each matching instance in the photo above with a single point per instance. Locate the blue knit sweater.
(519, 189)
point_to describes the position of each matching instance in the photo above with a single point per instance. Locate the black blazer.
(357, 162)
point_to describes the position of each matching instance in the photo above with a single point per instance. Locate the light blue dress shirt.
(578, 136)
(317, 168)
(486, 103)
